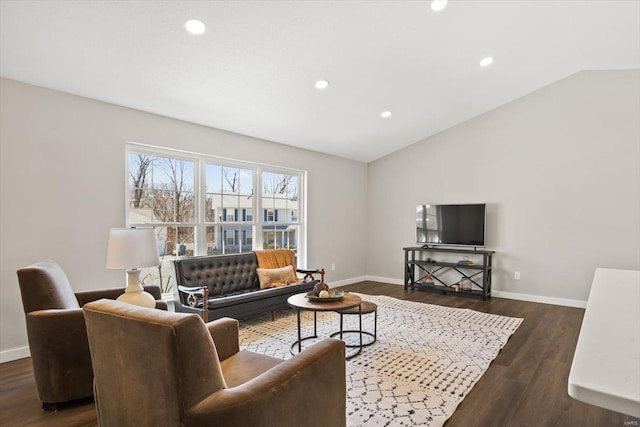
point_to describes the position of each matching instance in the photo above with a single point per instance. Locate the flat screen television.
(456, 225)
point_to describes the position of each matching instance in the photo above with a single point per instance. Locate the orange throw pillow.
(274, 277)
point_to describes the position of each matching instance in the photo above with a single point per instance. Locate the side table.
(300, 302)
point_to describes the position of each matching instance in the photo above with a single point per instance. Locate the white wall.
(62, 188)
(559, 169)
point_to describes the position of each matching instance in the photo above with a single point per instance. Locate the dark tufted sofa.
(232, 287)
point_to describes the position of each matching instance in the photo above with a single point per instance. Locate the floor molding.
(540, 299)
(385, 280)
(14, 354)
(502, 294)
(346, 282)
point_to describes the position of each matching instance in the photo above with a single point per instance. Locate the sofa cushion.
(274, 277)
(246, 365)
(222, 274)
(240, 298)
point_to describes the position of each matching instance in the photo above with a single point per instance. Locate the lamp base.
(134, 293)
(140, 298)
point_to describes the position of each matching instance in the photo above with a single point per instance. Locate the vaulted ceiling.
(254, 68)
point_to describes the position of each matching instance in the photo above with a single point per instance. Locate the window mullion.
(200, 199)
(257, 216)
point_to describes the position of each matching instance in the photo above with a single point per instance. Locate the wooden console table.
(606, 365)
(428, 275)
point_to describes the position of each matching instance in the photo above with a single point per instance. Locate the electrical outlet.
(333, 267)
(517, 275)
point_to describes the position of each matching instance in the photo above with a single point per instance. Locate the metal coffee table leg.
(298, 342)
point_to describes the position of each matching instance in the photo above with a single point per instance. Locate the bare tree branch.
(233, 182)
(281, 186)
(139, 178)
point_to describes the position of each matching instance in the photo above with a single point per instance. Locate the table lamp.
(132, 249)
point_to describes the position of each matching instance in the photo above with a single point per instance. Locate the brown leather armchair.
(162, 368)
(57, 333)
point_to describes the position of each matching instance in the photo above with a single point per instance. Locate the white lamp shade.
(132, 248)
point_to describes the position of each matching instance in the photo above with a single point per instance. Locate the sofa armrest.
(309, 274)
(308, 389)
(225, 333)
(196, 296)
(162, 305)
(57, 328)
(59, 352)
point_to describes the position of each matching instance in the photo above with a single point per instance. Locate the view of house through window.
(199, 205)
(280, 205)
(229, 208)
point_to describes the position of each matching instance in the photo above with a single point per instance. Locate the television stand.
(474, 278)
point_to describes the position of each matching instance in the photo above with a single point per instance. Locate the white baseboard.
(385, 280)
(347, 281)
(499, 294)
(540, 299)
(14, 354)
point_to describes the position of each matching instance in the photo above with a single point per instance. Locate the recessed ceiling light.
(322, 84)
(486, 61)
(195, 26)
(438, 5)
(385, 114)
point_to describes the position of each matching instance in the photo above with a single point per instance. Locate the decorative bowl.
(333, 296)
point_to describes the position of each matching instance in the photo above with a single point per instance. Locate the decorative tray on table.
(333, 296)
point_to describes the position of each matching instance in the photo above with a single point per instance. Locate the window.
(161, 193)
(229, 215)
(280, 199)
(229, 191)
(269, 215)
(230, 237)
(202, 205)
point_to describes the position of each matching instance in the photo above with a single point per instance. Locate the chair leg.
(205, 304)
(273, 316)
(375, 326)
(49, 407)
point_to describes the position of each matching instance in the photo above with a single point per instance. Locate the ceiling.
(253, 71)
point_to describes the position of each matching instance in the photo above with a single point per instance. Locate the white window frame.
(230, 235)
(199, 220)
(271, 215)
(282, 217)
(231, 211)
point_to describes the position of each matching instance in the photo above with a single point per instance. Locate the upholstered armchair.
(162, 368)
(57, 334)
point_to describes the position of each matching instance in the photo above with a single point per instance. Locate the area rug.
(426, 360)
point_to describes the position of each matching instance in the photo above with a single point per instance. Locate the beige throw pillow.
(273, 277)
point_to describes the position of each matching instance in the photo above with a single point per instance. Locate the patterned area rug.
(426, 360)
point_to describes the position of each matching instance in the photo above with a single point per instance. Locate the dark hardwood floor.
(526, 385)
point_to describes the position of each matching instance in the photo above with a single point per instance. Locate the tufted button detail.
(221, 274)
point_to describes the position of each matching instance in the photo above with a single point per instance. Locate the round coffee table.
(366, 307)
(301, 302)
